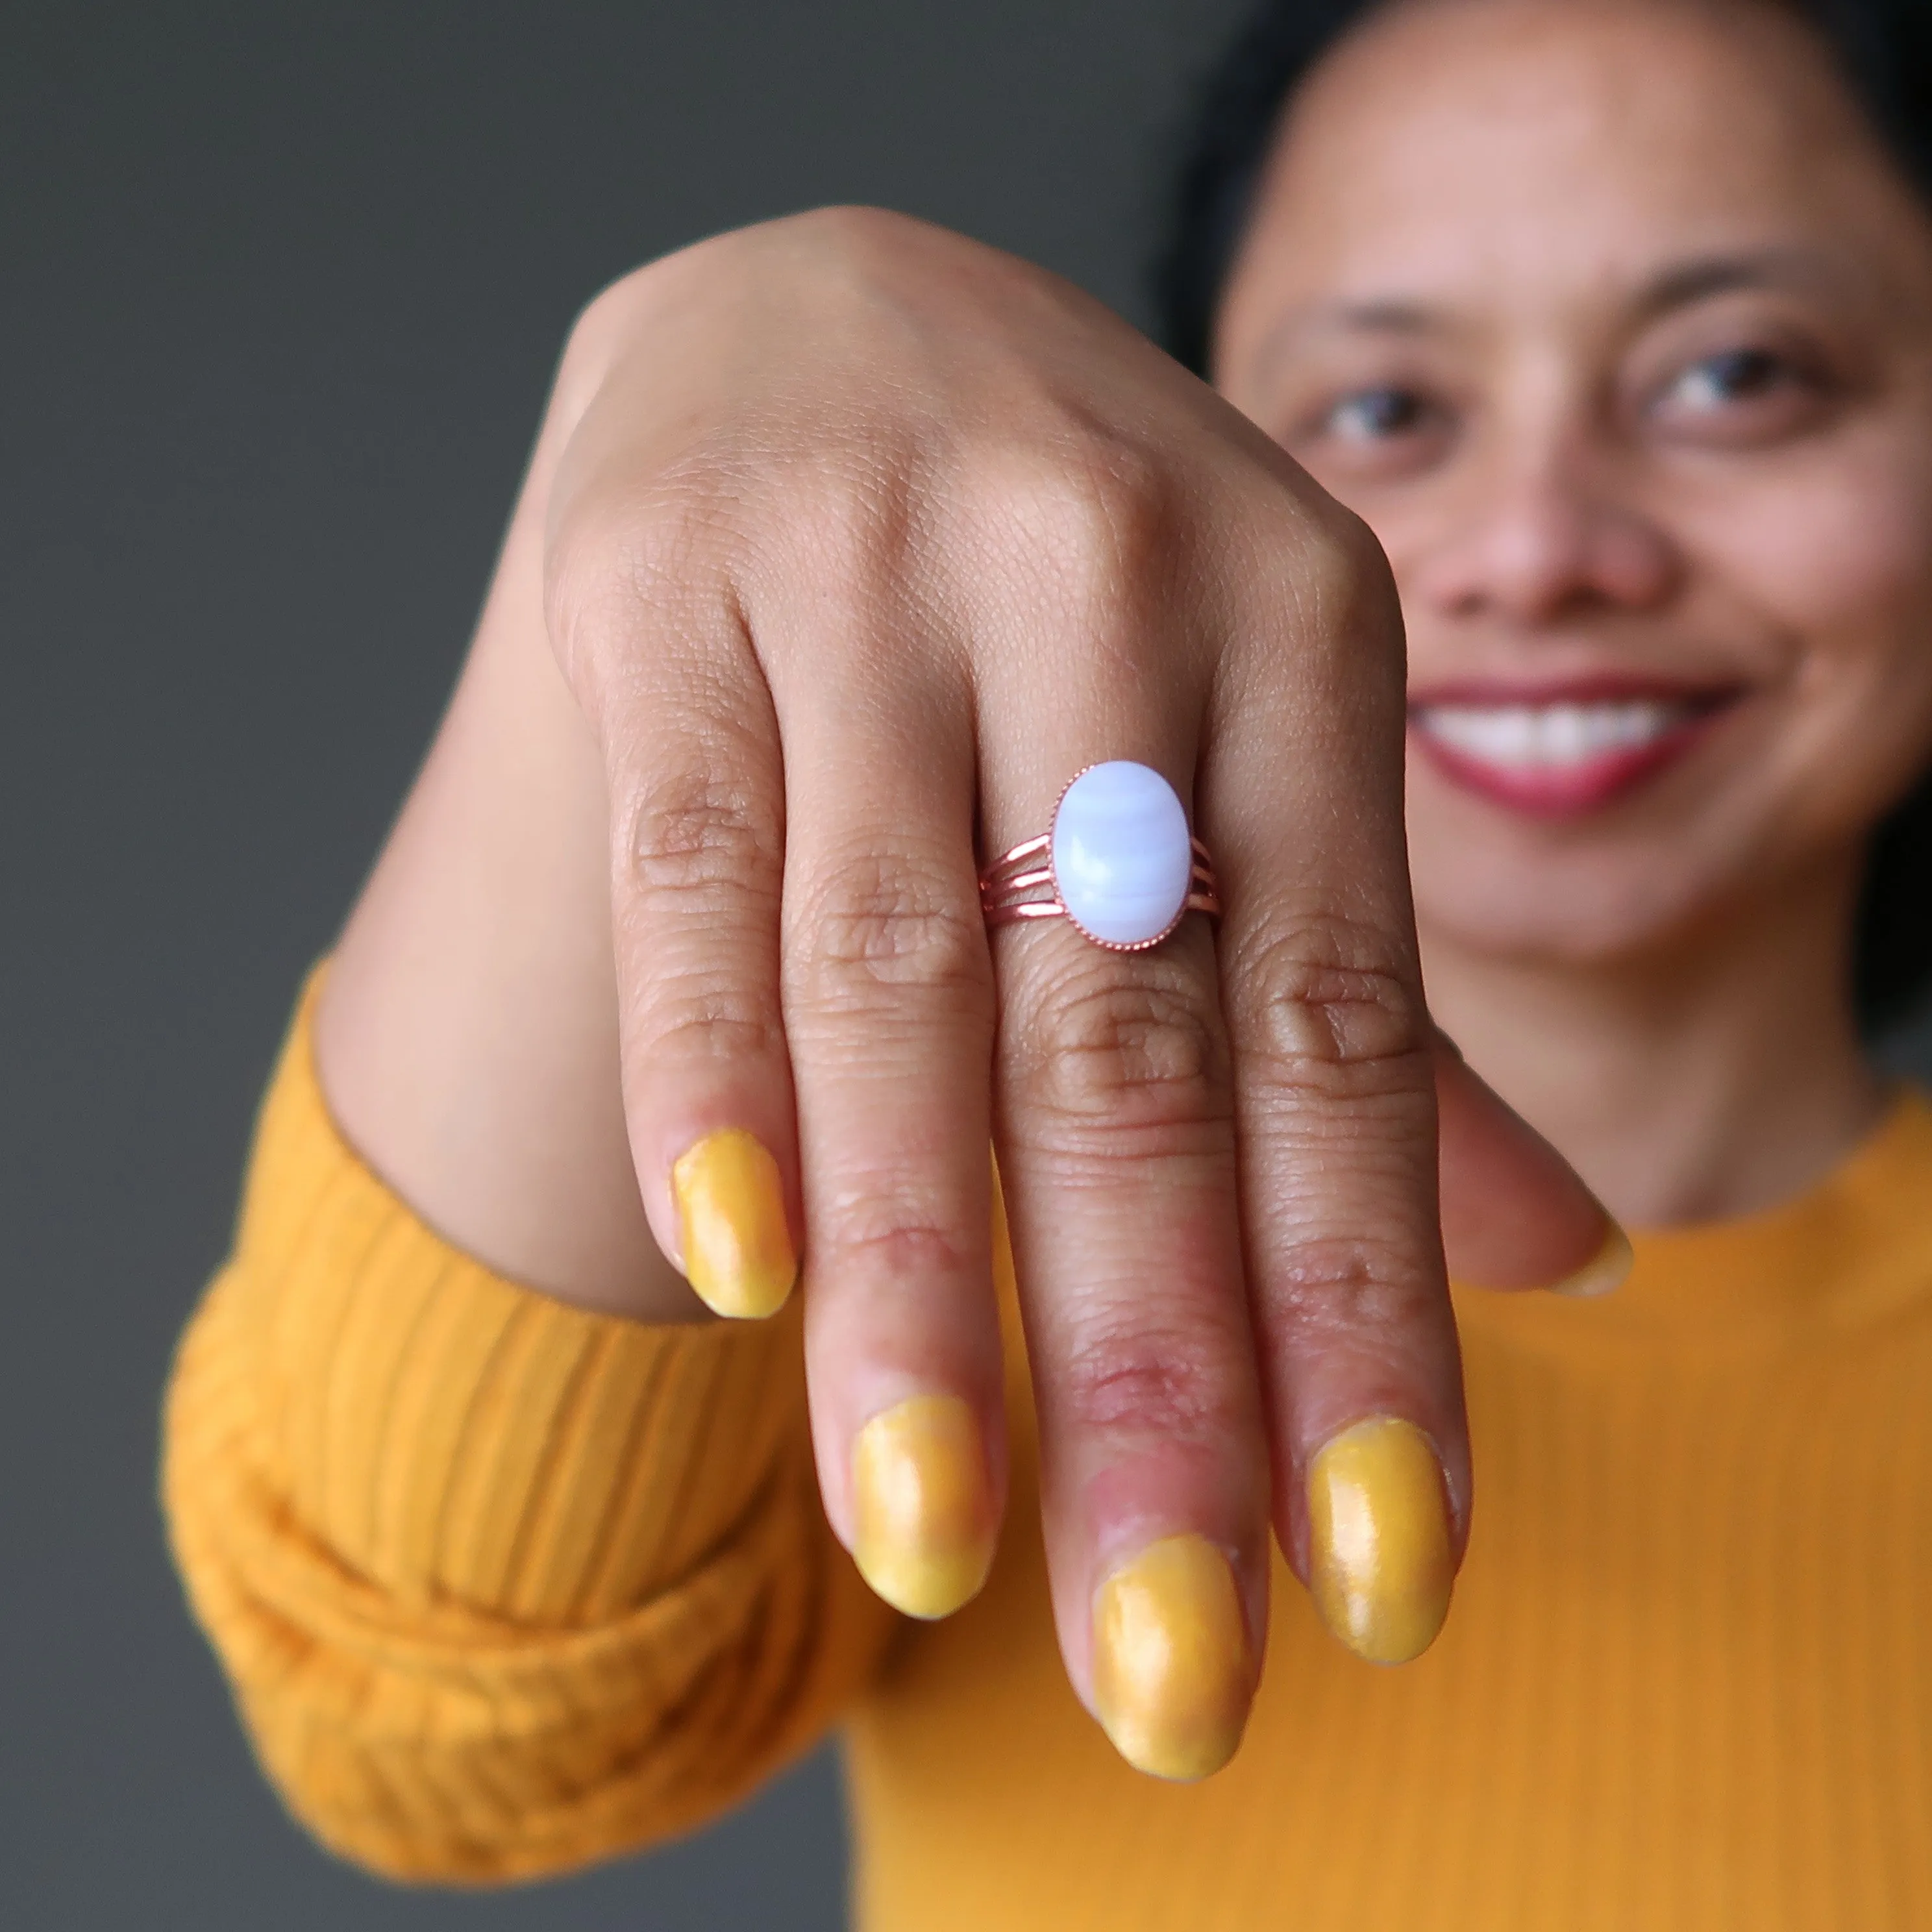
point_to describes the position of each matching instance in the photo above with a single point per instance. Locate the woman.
(1612, 318)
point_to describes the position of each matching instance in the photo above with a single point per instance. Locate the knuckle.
(883, 1235)
(1329, 1010)
(844, 516)
(694, 833)
(855, 229)
(1340, 1287)
(623, 557)
(1348, 592)
(1324, 569)
(595, 333)
(1128, 1044)
(1094, 515)
(889, 917)
(1159, 1379)
(1336, 557)
(698, 1015)
(1346, 561)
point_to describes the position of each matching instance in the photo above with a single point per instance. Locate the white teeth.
(1551, 734)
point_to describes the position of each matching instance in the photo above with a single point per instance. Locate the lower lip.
(1569, 790)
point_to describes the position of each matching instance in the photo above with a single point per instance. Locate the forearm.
(467, 1038)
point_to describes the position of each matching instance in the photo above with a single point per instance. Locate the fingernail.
(1380, 1562)
(1172, 1676)
(737, 1247)
(924, 1501)
(1608, 1268)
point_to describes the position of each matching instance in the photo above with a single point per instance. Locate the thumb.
(1514, 1213)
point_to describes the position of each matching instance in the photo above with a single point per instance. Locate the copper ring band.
(1019, 885)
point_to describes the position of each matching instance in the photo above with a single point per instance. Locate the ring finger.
(1115, 1120)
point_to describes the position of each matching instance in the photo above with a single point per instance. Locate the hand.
(853, 540)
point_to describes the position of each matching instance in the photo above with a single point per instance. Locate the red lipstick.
(1560, 751)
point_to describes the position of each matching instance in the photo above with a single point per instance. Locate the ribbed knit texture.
(503, 1587)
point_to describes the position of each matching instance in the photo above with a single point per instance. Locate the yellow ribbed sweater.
(503, 1587)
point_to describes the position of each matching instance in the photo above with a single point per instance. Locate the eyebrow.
(1696, 281)
(1389, 316)
(1395, 317)
(1678, 285)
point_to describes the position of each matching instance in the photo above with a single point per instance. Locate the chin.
(1575, 878)
(1568, 910)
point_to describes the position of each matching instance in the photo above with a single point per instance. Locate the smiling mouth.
(1561, 754)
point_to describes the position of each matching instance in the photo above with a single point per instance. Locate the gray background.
(279, 292)
(280, 289)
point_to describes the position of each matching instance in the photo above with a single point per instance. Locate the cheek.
(1830, 553)
(1839, 566)
(1820, 586)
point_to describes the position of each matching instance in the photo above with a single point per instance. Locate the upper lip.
(1589, 688)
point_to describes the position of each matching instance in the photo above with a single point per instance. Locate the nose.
(1542, 537)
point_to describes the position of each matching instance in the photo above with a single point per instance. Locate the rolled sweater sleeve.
(502, 1586)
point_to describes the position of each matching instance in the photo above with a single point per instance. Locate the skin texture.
(840, 533)
(845, 541)
(1565, 487)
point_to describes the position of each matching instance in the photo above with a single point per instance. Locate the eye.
(1374, 416)
(1746, 397)
(1732, 375)
(1369, 433)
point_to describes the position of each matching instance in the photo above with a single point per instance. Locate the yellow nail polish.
(1608, 1268)
(1380, 1562)
(1172, 1673)
(737, 1247)
(926, 1528)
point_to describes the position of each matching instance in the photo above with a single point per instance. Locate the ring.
(1119, 863)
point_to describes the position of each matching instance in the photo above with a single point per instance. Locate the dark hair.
(1884, 47)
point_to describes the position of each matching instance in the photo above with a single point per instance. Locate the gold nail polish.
(1172, 1672)
(923, 1501)
(1380, 1561)
(736, 1244)
(1608, 1268)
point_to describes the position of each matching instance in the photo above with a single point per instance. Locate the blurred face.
(1615, 323)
